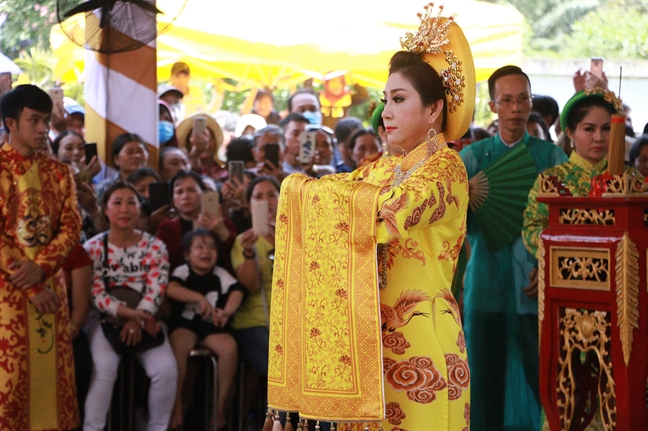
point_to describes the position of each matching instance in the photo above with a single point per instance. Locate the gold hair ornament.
(432, 34)
(608, 96)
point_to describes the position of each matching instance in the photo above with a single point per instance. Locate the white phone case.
(259, 212)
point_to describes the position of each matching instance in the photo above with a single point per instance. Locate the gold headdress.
(446, 49)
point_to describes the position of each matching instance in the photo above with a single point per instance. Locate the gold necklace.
(399, 177)
(432, 147)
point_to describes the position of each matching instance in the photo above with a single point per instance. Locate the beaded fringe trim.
(273, 423)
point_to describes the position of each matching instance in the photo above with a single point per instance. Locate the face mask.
(165, 130)
(313, 117)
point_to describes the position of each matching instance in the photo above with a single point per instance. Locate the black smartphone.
(159, 195)
(90, 151)
(272, 154)
(236, 168)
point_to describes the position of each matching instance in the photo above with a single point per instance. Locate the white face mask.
(313, 117)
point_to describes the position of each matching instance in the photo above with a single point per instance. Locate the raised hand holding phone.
(90, 151)
(235, 171)
(260, 213)
(307, 146)
(596, 67)
(210, 203)
(272, 155)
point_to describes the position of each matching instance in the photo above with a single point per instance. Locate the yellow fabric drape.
(325, 335)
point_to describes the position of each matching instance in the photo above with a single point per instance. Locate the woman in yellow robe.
(341, 349)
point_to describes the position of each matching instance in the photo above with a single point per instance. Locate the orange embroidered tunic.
(417, 206)
(39, 223)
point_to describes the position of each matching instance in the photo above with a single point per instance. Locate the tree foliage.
(583, 28)
(614, 31)
(26, 23)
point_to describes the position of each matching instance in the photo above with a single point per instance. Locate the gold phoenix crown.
(432, 33)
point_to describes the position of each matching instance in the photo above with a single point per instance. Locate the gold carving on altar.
(580, 268)
(541, 288)
(627, 293)
(548, 186)
(585, 357)
(587, 216)
(626, 185)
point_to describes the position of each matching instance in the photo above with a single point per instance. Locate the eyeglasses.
(507, 102)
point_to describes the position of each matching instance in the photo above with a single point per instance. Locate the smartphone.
(210, 202)
(159, 195)
(596, 67)
(307, 146)
(272, 154)
(56, 94)
(90, 151)
(259, 211)
(5, 83)
(199, 125)
(235, 169)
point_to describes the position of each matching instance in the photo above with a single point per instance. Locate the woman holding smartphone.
(187, 189)
(253, 258)
(201, 136)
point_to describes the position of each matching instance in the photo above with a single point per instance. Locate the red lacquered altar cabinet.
(593, 308)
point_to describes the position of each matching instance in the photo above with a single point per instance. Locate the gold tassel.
(317, 426)
(277, 423)
(616, 150)
(289, 425)
(267, 425)
(332, 426)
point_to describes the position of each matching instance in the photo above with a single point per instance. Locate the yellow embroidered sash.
(325, 338)
(41, 329)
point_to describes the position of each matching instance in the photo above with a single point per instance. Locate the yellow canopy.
(278, 43)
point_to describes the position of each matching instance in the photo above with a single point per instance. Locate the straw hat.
(186, 126)
(446, 49)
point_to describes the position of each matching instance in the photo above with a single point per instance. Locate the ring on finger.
(131, 331)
